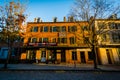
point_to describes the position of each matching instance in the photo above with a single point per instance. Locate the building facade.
(63, 42)
(48, 41)
(108, 40)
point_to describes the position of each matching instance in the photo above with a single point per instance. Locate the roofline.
(73, 21)
(55, 22)
(107, 19)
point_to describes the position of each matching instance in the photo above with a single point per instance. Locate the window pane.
(34, 40)
(45, 39)
(58, 29)
(102, 25)
(111, 25)
(74, 55)
(72, 40)
(73, 28)
(45, 29)
(59, 40)
(63, 40)
(63, 29)
(68, 28)
(40, 40)
(54, 29)
(35, 29)
(54, 40)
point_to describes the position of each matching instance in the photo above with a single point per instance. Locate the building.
(63, 42)
(109, 40)
(48, 41)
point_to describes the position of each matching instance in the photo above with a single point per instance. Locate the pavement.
(59, 67)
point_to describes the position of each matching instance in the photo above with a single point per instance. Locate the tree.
(89, 11)
(11, 19)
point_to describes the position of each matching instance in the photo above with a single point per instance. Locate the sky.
(48, 9)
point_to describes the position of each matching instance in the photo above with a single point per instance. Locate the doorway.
(63, 57)
(31, 56)
(82, 56)
(109, 55)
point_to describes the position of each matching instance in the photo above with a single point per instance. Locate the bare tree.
(12, 19)
(89, 11)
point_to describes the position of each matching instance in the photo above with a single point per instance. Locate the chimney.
(64, 19)
(71, 19)
(55, 19)
(35, 19)
(68, 19)
(38, 19)
(113, 16)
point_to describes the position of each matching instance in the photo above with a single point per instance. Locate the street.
(58, 75)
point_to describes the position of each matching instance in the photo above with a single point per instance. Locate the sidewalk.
(60, 67)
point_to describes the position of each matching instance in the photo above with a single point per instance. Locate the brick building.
(63, 42)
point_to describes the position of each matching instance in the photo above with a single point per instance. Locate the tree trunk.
(7, 60)
(94, 56)
(8, 57)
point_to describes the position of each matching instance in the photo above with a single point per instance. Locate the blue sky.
(47, 9)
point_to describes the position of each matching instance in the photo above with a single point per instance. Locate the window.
(116, 37)
(74, 55)
(43, 54)
(40, 40)
(59, 40)
(45, 29)
(72, 28)
(54, 29)
(34, 29)
(31, 55)
(53, 40)
(62, 40)
(45, 39)
(90, 56)
(118, 25)
(113, 25)
(34, 40)
(102, 25)
(58, 28)
(72, 40)
(63, 29)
